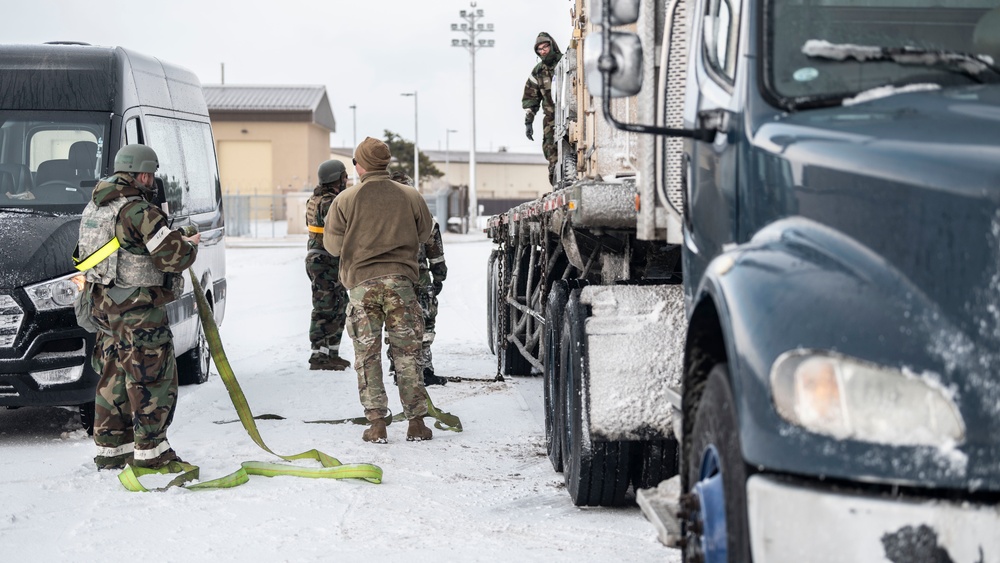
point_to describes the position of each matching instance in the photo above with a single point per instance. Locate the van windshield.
(50, 161)
(821, 52)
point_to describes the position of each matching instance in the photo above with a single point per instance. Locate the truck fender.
(799, 285)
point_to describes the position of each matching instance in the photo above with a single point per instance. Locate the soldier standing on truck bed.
(329, 298)
(538, 92)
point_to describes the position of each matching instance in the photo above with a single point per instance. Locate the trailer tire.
(595, 473)
(511, 360)
(654, 461)
(715, 471)
(553, 335)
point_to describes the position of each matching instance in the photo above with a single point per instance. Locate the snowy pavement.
(486, 494)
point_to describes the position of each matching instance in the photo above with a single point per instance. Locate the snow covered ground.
(486, 494)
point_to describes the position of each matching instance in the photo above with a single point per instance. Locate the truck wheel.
(87, 417)
(492, 287)
(553, 336)
(193, 365)
(716, 477)
(595, 473)
(653, 461)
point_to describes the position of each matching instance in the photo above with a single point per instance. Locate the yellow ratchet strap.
(100, 254)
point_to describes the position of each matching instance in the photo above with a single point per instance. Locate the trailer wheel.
(716, 506)
(596, 473)
(553, 336)
(654, 461)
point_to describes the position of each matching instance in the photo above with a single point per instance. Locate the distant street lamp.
(472, 44)
(416, 151)
(447, 151)
(354, 137)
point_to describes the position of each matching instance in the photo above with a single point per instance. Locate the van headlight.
(847, 398)
(57, 293)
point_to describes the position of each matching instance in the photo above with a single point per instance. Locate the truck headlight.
(846, 398)
(57, 293)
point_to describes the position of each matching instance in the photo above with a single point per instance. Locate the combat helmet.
(136, 159)
(330, 172)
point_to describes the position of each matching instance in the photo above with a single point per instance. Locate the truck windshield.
(820, 52)
(50, 161)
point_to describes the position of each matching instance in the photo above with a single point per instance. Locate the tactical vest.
(121, 268)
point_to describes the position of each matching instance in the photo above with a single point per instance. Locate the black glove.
(529, 130)
(436, 287)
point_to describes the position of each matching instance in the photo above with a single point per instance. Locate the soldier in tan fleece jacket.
(376, 228)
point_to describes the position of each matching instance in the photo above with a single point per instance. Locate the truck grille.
(10, 320)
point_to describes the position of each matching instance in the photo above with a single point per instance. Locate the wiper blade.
(968, 64)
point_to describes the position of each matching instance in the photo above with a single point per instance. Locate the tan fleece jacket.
(376, 227)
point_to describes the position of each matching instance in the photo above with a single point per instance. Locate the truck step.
(661, 505)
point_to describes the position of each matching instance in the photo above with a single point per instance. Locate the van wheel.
(87, 417)
(193, 365)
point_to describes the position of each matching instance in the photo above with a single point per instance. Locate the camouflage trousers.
(549, 146)
(137, 392)
(429, 307)
(388, 301)
(329, 304)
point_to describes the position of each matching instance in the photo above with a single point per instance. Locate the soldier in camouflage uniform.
(376, 227)
(538, 92)
(433, 271)
(329, 298)
(129, 289)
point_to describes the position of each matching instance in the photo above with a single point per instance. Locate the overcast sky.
(366, 53)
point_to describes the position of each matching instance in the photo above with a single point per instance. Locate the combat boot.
(431, 379)
(375, 432)
(418, 432)
(328, 362)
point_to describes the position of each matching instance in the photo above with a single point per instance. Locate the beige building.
(504, 179)
(269, 139)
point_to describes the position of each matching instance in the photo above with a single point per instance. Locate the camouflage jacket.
(538, 87)
(431, 259)
(316, 209)
(143, 229)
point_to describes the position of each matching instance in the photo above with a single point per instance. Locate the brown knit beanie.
(372, 154)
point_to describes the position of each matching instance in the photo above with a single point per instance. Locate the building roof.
(463, 156)
(266, 103)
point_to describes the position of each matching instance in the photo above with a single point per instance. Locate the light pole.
(416, 151)
(447, 151)
(472, 30)
(354, 136)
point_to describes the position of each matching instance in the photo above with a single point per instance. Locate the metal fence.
(256, 215)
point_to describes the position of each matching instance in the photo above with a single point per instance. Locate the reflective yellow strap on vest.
(313, 229)
(100, 254)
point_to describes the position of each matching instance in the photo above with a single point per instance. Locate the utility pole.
(416, 151)
(472, 30)
(354, 137)
(447, 150)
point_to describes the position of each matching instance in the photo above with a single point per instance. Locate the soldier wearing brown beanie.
(376, 228)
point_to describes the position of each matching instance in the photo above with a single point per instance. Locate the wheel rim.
(709, 514)
(204, 354)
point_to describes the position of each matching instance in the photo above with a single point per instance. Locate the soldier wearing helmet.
(329, 298)
(128, 290)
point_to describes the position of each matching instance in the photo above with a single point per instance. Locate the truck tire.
(653, 461)
(511, 360)
(717, 476)
(492, 288)
(193, 365)
(595, 473)
(553, 336)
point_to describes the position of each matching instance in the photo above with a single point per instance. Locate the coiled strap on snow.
(331, 467)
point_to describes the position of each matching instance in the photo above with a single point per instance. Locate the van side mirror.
(161, 195)
(623, 12)
(625, 60)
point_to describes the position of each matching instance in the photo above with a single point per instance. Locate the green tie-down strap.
(331, 467)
